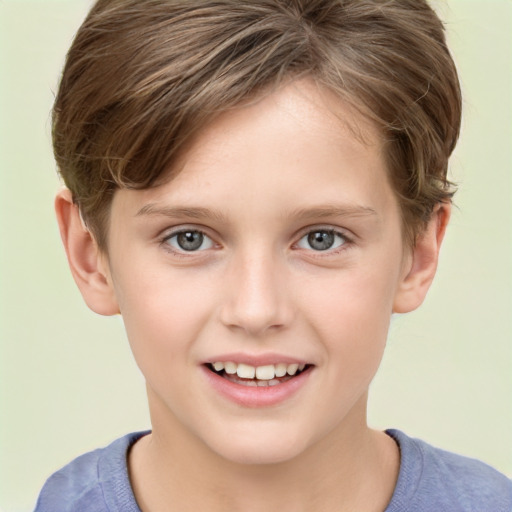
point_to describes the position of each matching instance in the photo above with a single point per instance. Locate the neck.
(352, 468)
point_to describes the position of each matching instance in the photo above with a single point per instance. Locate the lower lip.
(249, 396)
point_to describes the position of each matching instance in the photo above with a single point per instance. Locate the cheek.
(350, 312)
(351, 299)
(163, 312)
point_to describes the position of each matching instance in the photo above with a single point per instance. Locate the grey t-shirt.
(430, 480)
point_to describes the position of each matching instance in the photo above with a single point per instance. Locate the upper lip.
(255, 359)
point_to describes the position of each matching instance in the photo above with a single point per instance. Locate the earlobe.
(422, 262)
(87, 263)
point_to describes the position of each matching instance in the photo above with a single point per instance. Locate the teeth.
(244, 371)
(267, 374)
(230, 367)
(281, 369)
(292, 369)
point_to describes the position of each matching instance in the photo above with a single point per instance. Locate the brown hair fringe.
(144, 76)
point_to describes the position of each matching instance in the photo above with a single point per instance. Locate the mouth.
(258, 376)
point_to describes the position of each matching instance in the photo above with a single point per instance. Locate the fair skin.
(279, 241)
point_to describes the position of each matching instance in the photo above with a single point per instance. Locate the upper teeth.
(267, 372)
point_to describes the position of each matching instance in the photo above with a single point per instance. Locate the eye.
(322, 240)
(189, 240)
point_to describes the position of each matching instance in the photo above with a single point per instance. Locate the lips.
(256, 385)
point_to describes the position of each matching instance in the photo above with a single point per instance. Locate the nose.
(257, 298)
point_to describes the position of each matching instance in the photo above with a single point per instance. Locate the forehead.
(296, 147)
(301, 109)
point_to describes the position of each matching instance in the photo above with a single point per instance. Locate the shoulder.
(434, 479)
(92, 481)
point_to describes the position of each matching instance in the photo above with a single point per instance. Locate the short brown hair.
(143, 76)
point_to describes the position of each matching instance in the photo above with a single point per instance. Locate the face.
(257, 285)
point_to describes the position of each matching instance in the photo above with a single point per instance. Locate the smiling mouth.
(257, 376)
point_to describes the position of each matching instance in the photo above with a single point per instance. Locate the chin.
(258, 449)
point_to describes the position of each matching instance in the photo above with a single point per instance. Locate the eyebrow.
(194, 212)
(334, 211)
(199, 212)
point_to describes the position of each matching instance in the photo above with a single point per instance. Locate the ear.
(422, 262)
(88, 264)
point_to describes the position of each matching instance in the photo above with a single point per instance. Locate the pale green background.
(68, 383)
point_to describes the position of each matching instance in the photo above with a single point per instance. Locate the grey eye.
(321, 240)
(189, 241)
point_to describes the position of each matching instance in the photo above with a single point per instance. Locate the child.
(256, 187)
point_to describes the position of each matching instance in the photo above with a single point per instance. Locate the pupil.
(190, 240)
(321, 240)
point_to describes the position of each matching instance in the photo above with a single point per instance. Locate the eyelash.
(344, 245)
(346, 241)
(165, 242)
